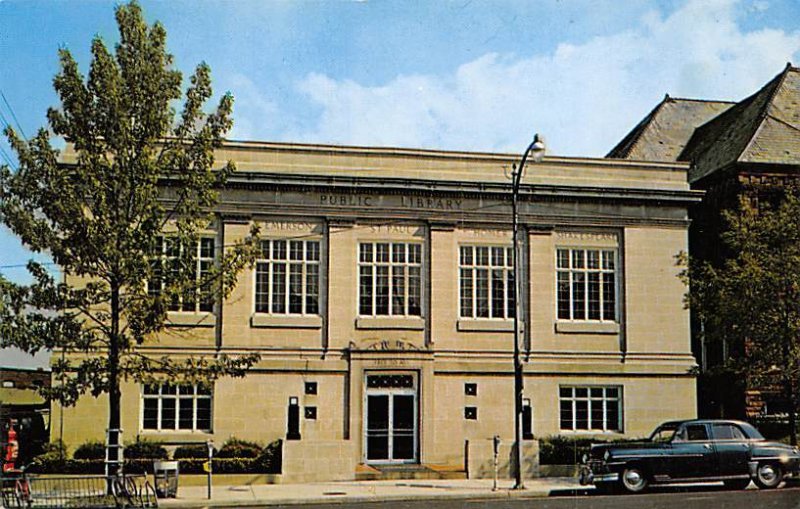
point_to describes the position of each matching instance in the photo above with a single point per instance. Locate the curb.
(354, 499)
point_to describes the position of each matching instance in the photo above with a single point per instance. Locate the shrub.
(194, 451)
(92, 450)
(235, 448)
(53, 457)
(560, 450)
(270, 459)
(145, 449)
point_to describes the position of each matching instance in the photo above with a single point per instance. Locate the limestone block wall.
(480, 459)
(656, 319)
(318, 460)
(647, 402)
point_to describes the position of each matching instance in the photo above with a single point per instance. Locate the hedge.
(266, 461)
(186, 466)
(561, 450)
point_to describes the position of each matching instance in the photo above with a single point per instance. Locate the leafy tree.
(750, 300)
(140, 168)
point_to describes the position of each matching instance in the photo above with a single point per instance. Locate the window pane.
(563, 259)
(382, 289)
(204, 414)
(155, 283)
(150, 413)
(612, 415)
(312, 251)
(512, 305)
(578, 296)
(366, 253)
(312, 289)
(466, 292)
(296, 288)
(398, 290)
(279, 249)
(498, 294)
(498, 256)
(577, 258)
(594, 295)
(296, 250)
(563, 296)
(612, 392)
(609, 297)
(597, 414)
(482, 293)
(186, 413)
(415, 291)
(207, 247)
(482, 256)
(399, 253)
(466, 255)
(365, 290)
(608, 260)
(414, 253)
(593, 259)
(168, 413)
(565, 392)
(279, 287)
(262, 288)
(566, 414)
(264, 249)
(581, 414)
(381, 252)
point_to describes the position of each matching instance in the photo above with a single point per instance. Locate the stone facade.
(430, 372)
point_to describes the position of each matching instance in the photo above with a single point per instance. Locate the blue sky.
(466, 74)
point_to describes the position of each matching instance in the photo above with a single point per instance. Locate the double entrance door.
(391, 433)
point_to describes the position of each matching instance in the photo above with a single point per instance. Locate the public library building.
(381, 307)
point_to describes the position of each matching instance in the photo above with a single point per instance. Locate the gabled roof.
(763, 128)
(664, 132)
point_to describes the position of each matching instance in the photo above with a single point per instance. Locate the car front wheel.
(768, 476)
(634, 480)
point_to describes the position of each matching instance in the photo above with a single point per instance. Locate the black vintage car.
(691, 451)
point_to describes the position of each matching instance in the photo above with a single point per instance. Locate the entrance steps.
(408, 471)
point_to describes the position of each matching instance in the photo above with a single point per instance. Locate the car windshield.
(664, 433)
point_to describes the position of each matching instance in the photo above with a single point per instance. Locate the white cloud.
(251, 109)
(583, 97)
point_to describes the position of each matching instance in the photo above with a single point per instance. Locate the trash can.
(166, 477)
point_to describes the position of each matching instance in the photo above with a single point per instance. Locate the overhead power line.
(13, 115)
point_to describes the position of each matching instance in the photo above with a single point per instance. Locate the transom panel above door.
(391, 418)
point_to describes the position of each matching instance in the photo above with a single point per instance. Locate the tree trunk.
(114, 442)
(792, 413)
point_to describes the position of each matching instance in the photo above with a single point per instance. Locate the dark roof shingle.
(664, 132)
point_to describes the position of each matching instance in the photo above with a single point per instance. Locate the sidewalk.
(362, 491)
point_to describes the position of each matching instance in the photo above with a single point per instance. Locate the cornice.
(389, 185)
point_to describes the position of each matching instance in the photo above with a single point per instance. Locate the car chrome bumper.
(586, 476)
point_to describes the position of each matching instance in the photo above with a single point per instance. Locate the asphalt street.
(662, 498)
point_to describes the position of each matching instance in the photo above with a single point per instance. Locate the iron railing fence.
(85, 491)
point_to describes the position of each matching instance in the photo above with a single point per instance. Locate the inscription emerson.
(411, 202)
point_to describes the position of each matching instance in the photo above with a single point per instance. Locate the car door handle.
(707, 446)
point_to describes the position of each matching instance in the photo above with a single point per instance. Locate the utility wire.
(13, 115)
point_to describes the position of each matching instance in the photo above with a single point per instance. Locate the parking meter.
(210, 445)
(496, 445)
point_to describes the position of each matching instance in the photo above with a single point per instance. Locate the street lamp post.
(536, 152)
